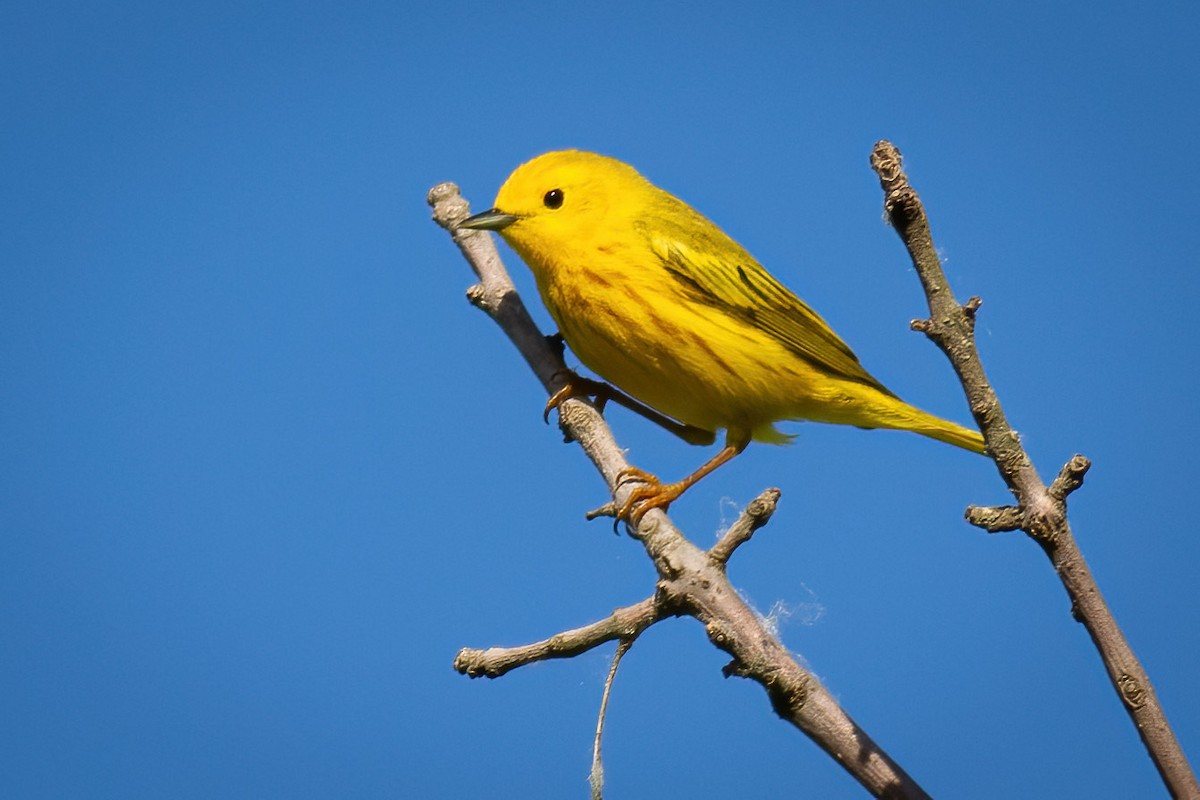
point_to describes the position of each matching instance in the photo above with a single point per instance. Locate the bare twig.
(624, 624)
(690, 582)
(1040, 511)
(596, 778)
(753, 517)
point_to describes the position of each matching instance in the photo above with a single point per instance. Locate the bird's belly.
(684, 359)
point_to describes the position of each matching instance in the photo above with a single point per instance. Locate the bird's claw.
(577, 386)
(556, 400)
(653, 493)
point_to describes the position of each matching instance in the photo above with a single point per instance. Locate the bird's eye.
(553, 198)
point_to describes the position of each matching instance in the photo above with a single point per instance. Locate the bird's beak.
(491, 220)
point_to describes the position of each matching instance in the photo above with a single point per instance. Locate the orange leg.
(656, 494)
(579, 386)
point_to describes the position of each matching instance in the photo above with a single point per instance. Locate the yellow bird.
(662, 304)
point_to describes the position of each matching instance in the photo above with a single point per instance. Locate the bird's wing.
(709, 267)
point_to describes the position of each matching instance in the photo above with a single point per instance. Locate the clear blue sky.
(264, 470)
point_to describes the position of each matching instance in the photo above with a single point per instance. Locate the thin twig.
(1040, 511)
(596, 778)
(624, 624)
(753, 517)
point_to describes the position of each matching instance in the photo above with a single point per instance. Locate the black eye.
(553, 198)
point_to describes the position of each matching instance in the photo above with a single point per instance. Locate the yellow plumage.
(662, 304)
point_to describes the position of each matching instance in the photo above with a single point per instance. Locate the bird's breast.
(685, 359)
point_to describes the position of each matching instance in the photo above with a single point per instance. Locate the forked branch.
(1040, 511)
(691, 582)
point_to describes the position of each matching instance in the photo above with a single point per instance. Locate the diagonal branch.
(753, 517)
(690, 581)
(1040, 511)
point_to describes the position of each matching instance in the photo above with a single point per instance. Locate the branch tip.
(763, 506)
(441, 192)
(1070, 477)
(887, 163)
(995, 519)
(449, 206)
(754, 516)
(472, 663)
(609, 509)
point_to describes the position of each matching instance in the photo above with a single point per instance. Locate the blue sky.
(264, 470)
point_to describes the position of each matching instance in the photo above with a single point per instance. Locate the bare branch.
(624, 624)
(690, 583)
(1070, 477)
(753, 517)
(996, 519)
(1040, 511)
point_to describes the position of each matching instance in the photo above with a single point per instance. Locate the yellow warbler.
(662, 304)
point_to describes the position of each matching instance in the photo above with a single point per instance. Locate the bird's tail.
(948, 432)
(888, 411)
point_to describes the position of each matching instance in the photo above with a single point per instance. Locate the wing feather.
(711, 268)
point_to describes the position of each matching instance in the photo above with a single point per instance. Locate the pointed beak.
(491, 220)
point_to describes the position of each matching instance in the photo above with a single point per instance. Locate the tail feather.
(950, 433)
(891, 412)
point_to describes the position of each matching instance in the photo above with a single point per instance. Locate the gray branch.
(1040, 511)
(691, 581)
(624, 624)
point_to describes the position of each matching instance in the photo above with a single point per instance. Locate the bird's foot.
(653, 493)
(578, 386)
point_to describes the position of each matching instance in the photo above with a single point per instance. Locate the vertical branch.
(596, 778)
(1041, 511)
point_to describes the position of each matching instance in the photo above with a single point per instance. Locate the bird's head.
(560, 201)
